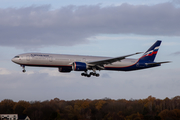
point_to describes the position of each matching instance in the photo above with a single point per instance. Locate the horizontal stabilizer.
(157, 63)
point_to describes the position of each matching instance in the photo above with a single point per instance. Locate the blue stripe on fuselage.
(137, 66)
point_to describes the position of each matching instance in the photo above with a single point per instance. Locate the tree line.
(102, 109)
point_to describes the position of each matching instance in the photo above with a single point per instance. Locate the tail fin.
(150, 54)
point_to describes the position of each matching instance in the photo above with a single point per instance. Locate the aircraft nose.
(13, 60)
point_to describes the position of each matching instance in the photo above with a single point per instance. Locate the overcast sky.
(97, 27)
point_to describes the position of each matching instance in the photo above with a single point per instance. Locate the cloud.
(40, 26)
(105, 75)
(43, 85)
(176, 1)
(176, 53)
(56, 73)
(4, 71)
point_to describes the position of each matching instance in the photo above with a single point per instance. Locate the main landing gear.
(89, 75)
(23, 66)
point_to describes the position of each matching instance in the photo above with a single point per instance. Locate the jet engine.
(79, 66)
(64, 69)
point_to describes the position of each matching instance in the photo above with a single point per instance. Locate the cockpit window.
(16, 57)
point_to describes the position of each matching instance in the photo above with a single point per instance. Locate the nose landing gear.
(23, 66)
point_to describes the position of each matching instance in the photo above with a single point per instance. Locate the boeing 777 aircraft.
(67, 63)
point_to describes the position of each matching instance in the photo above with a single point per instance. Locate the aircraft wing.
(101, 63)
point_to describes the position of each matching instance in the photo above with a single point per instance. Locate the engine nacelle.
(79, 66)
(64, 69)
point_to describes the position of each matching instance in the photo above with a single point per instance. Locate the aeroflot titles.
(34, 55)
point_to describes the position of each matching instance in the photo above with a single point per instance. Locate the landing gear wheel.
(85, 74)
(88, 75)
(23, 71)
(97, 75)
(91, 73)
(94, 74)
(82, 74)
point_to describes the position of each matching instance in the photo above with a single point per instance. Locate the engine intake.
(79, 66)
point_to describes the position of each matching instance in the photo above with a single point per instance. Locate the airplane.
(67, 63)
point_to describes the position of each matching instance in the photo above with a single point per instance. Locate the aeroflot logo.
(34, 55)
(150, 53)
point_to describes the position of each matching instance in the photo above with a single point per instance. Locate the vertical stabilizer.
(150, 54)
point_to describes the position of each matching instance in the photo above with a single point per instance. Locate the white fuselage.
(60, 60)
